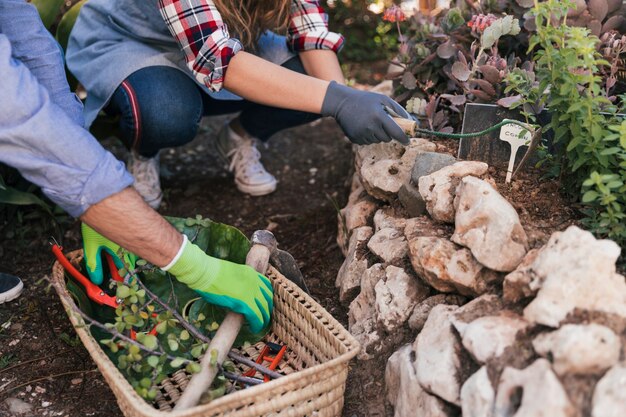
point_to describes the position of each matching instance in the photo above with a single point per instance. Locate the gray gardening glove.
(362, 115)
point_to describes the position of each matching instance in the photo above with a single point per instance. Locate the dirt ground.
(43, 363)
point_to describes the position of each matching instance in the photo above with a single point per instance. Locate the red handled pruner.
(94, 292)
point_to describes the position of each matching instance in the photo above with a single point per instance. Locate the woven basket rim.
(140, 405)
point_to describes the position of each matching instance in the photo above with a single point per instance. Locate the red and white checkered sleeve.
(308, 28)
(203, 37)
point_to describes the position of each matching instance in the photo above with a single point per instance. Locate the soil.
(43, 363)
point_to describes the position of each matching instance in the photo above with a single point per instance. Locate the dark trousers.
(160, 107)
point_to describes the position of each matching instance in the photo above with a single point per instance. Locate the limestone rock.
(358, 212)
(485, 305)
(386, 217)
(575, 271)
(448, 267)
(541, 393)
(349, 275)
(439, 356)
(609, 397)
(488, 225)
(424, 226)
(580, 349)
(362, 319)
(411, 200)
(422, 310)
(404, 392)
(519, 284)
(396, 296)
(384, 167)
(487, 337)
(425, 164)
(384, 87)
(477, 395)
(439, 188)
(389, 245)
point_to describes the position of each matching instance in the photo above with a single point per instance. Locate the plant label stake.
(516, 136)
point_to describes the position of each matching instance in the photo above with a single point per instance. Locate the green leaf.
(196, 351)
(153, 361)
(122, 291)
(590, 196)
(176, 363)
(184, 335)
(150, 342)
(161, 328)
(173, 344)
(193, 367)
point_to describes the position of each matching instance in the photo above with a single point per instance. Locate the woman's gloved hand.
(94, 244)
(362, 114)
(234, 286)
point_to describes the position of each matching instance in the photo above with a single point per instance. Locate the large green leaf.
(67, 23)
(48, 10)
(10, 195)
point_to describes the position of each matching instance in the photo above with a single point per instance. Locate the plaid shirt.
(208, 48)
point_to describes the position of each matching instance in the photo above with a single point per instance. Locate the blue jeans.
(160, 107)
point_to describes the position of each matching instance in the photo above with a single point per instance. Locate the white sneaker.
(147, 182)
(244, 161)
(10, 287)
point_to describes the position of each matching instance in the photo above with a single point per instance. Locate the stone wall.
(437, 257)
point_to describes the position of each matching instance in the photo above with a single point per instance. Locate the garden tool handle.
(407, 125)
(257, 258)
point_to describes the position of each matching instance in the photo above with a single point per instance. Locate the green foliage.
(162, 345)
(49, 10)
(589, 137)
(368, 38)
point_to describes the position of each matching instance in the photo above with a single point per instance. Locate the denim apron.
(114, 38)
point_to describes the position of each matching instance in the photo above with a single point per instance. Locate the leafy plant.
(160, 324)
(589, 145)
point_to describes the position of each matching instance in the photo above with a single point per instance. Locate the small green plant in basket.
(160, 325)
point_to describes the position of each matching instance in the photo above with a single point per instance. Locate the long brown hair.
(248, 19)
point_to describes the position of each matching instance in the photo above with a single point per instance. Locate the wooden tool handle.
(407, 125)
(258, 258)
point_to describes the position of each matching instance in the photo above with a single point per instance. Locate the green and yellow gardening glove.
(234, 286)
(93, 245)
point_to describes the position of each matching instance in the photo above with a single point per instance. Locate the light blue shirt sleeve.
(47, 146)
(35, 47)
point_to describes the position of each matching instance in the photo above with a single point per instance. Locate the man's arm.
(48, 148)
(33, 46)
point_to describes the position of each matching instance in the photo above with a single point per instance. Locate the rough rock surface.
(519, 284)
(425, 164)
(486, 338)
(609, 397)
(397, 294)
(387, 217)
(580, 349)
(542, 394)
(384, 167)
(574, 271)
(363, 319)
(404, 391)
(422, 310)
(439, 188)
(449, 268)
(485, 305)
(439, 355)
(390, 245)
(349, 275)
(18, 407)
(477, 395)
(488, 225)
(358, 212)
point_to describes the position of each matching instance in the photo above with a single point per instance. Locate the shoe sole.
(256, 190)
(12, 294)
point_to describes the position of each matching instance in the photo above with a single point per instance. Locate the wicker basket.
(319, 349)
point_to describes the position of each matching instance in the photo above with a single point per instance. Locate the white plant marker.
(512, 134)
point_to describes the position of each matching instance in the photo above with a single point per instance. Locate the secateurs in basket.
(93, 291)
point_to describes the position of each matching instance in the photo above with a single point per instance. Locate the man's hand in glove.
(93, 245)
(234, 286)
(362, 115)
